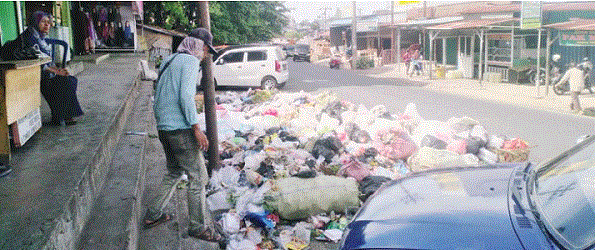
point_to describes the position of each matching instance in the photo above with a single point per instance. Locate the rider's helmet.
(556, 57)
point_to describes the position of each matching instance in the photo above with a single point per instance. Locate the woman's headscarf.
(192, 46)
(36, 18)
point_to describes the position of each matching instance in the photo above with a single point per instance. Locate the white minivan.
(253, 66)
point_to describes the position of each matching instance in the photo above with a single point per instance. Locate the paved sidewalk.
(524, 95)
(42, 202)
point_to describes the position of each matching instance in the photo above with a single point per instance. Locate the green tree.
(232, 22)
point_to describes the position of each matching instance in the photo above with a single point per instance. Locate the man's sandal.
(164, 218)
(207, 234)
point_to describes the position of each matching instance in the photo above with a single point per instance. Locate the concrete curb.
(139, 189)
(69, 225)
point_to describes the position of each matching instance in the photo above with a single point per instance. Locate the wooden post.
(4, 129)
(547, 63)
(538, 75)
(354, 53)
(398, 45)
(392, 31)
(209, 94)
(444, 51)
(472, 53)
(481, 49)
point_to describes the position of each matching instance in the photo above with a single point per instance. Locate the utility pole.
(325, 18)
(209, 94)
(392, 31)
(354, 36)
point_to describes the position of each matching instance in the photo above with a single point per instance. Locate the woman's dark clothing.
(59, 91)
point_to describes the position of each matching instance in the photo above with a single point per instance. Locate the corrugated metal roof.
(577, 24)
(560, 6)
(427, 22)
(340, 22)
(468, 24)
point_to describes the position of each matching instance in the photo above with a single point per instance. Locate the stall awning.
(576, 24)
(469, 24)
(424, 23)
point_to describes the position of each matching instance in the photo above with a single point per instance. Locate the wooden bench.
(20, 103)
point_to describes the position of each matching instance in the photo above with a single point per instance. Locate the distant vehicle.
(251, 66)
(499, 206)
(289, 50)
(302, 53)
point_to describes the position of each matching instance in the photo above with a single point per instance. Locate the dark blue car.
(504, 206)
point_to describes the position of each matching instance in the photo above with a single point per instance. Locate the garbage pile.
(298, 165)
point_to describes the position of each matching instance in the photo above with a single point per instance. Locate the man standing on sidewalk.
(575, 76)
(181, 137)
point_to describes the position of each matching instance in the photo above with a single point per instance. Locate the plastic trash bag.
(230, 222)
(219, 201)
(296, 198)
(462, 124)
(326, 124)
(429, 158)
(354, 169)
(487, 156)
(395, 144)
(438, 129)
(370, 184)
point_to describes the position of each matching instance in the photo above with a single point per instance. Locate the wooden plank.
(23, 63)
(4, 139)
(23, 93)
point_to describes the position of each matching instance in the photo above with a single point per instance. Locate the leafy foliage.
(231, 22)
(364, 63)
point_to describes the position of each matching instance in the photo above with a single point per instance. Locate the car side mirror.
(220, 62)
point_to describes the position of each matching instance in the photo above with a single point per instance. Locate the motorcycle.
(587, 67)
(555, 73)
(335, 63)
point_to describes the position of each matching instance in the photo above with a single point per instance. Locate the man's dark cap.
(204, 35)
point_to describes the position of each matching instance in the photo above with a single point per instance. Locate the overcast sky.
(312, 10)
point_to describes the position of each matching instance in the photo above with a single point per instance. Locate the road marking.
(316, 80)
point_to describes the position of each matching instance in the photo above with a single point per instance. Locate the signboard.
(499, 36)
(530, 14)
(407, 2)
(577, 38)
(25, 127)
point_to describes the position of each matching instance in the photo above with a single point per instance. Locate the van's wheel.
(268, 82)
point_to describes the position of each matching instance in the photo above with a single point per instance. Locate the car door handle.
(263, 65)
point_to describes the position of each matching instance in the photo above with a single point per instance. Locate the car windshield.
(303, 49)
(564, 195)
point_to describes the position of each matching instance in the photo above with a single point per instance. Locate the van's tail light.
(277, 66)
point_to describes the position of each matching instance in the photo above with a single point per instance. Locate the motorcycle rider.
(575, 76)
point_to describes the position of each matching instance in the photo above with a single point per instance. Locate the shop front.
(494, 48)
(574, 41)
(107, 26)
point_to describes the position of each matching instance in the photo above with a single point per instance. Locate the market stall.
(576, 41)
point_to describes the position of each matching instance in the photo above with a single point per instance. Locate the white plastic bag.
(146, 73)
(231, 223)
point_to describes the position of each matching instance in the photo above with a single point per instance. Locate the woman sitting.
(58, 87)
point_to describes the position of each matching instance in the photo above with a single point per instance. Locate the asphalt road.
(550, 133)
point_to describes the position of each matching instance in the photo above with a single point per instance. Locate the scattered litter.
(296, 166)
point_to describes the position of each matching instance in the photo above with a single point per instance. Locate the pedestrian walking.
(181, 136)
(575, 76)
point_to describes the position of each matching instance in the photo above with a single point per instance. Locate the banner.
(530, 14)
(577, 38)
